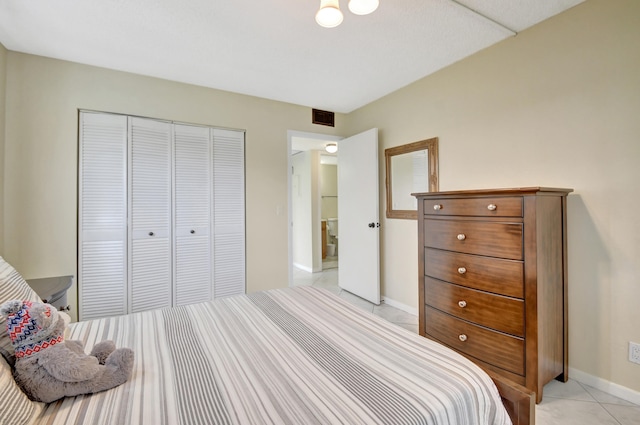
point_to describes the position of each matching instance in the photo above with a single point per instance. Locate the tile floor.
(571, 403)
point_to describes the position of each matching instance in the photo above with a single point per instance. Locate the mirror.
(410, 168)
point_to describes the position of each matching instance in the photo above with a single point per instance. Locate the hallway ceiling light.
(331, 147)
(330, 16)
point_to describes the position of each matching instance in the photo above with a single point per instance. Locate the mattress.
(288, 356)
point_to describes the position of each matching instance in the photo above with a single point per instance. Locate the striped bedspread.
(289, 356)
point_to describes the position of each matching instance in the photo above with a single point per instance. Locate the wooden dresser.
(493, 279)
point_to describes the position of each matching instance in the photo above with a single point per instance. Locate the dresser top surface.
(493, 192)
(48, 287)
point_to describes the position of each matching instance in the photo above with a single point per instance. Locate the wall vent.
(323, 117)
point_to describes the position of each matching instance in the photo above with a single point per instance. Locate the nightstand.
(53, 290)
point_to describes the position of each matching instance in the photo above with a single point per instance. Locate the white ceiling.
(270, 48)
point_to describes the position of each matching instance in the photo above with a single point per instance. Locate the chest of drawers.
(493, 279)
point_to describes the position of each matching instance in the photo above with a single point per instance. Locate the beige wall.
(329, 190)
(557, 105)
(3, 74)
(305, 188)
(40, 202)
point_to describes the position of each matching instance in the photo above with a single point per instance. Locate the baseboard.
(303, 268)
(607, 386)
(400, 306)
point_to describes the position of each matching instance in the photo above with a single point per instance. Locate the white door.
(229, 267)
(192, 214)
(102, 224)
(358, 215)
(150, 257)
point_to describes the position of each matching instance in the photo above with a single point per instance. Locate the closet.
(161, 214)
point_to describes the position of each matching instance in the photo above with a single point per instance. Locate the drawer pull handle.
(462, 304)
(437, 207)
(492, 207)
(462, 337)
(462, 270)
(462, 237)
(192, 231)
(150, 233)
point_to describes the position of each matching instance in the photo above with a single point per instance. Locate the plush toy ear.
(11, 307)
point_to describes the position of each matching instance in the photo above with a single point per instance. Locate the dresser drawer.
(498, 349)
(492, 311)
(479, 207)
(493, 239)
(490, 274)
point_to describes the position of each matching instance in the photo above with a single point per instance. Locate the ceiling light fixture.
(363, 7)
(331, 147)
(330, 16)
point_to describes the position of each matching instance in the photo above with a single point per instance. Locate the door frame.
(291, 134)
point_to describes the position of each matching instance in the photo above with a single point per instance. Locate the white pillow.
(15, 406)
(12, 287)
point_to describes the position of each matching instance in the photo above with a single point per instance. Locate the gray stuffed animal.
(47, 367)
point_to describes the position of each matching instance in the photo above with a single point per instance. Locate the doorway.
(312, 183)
(358, 187)
(329, 211)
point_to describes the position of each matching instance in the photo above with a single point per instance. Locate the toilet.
(332, 230)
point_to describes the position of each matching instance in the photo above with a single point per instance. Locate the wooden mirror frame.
(432, 146)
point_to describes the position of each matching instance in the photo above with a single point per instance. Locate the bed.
(287, 356)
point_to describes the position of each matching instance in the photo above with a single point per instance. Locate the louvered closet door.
(228, 213)
(192, 214)
(150, 256)
(102, 224)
